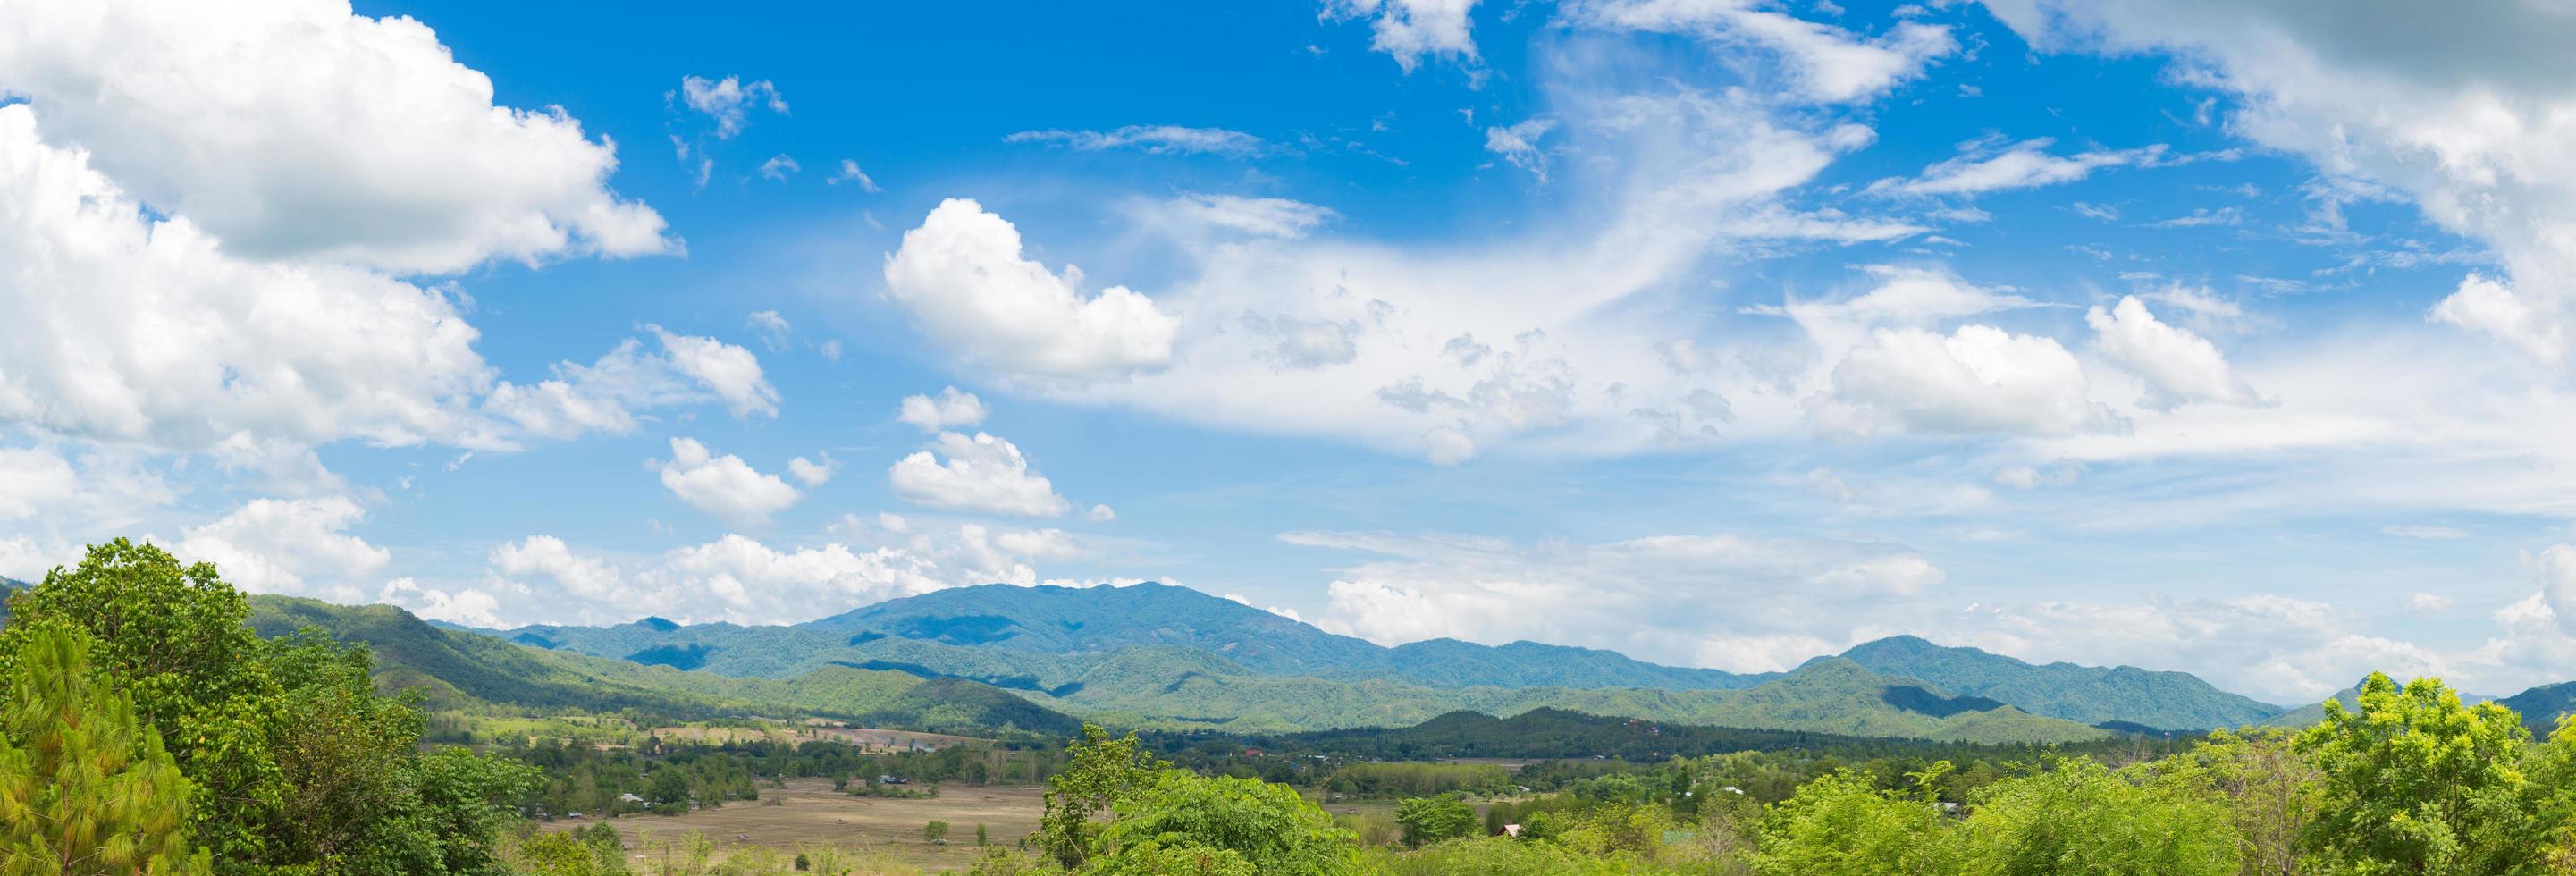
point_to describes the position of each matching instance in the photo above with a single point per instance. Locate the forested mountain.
(474, 672)
(2085, 694)
(2540, 707)
(1145, 652)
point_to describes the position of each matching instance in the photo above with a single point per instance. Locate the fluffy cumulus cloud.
(727, 488)
(949, 409)
(962, 278)
(213, 210)
(2177, 365)
(1412, 30)
(295, 128)
(158, 335)
(2468, 113)
(1732, 602)
(982, 473)
(1977, 379)
(298, 546)
(735, 578)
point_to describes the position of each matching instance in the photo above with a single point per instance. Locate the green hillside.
(2542, 706)
(1449, 662)
(1176, 688)
(1041, 638)
(1065, 620)
(2084, 694)
(1160, 655)
(475, 672)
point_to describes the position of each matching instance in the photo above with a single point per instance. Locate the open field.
(808, 811)
(866, 739)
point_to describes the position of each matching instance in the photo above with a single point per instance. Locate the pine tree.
(84, 787)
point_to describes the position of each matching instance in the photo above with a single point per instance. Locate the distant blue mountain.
(1062, 642)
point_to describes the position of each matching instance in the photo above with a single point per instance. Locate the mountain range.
(1160, 655)
(1038, 660)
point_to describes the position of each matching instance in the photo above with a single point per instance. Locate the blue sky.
(2222, 337)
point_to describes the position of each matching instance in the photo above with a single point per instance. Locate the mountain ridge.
(1052, 641)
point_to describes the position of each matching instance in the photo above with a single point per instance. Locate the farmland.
(807, 812)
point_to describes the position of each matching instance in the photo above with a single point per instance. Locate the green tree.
(2078, 818)
(2415, 782)
(981, 837)
(301, 767)
(1842, 824)
(2270, 791)
(1432, 819)
(670, 787)
(1099, 771)
(1265, 826)
(174, 640)
(84, 787)
(934, 831)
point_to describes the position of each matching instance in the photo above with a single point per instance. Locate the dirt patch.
(808, 811)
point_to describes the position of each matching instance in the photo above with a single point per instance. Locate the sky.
(2227, 337)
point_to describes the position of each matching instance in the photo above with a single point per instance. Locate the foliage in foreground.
(297, 764)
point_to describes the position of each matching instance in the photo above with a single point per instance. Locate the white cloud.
(469, 606)
(1732, 602)
(2556, 569)
(724, 486)
(962, 277)
(811, 473)
(1102, 514)
(1820, 62)
(2179, 367)
(731, 372)
(1518, 144)
(154, 334)
(1152, 140)
(950, 409)
(1350, 339)
(1977, 379)
(729, 101)
(982, 473)
(2489, 305)
(849, 172)
(2430, 533)
(774, 330)
(291, 128)
(1263, 217)
(604, 395)
(779, 167)
(274, 546)
(2428, 603)
(37, 479)
(1413, 29)
(738, 579)
(2276, 648)
(2022, 165)
(2469, 119)
(547, 556)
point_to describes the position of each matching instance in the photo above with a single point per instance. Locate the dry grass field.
(809, 812)
(867, 739)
